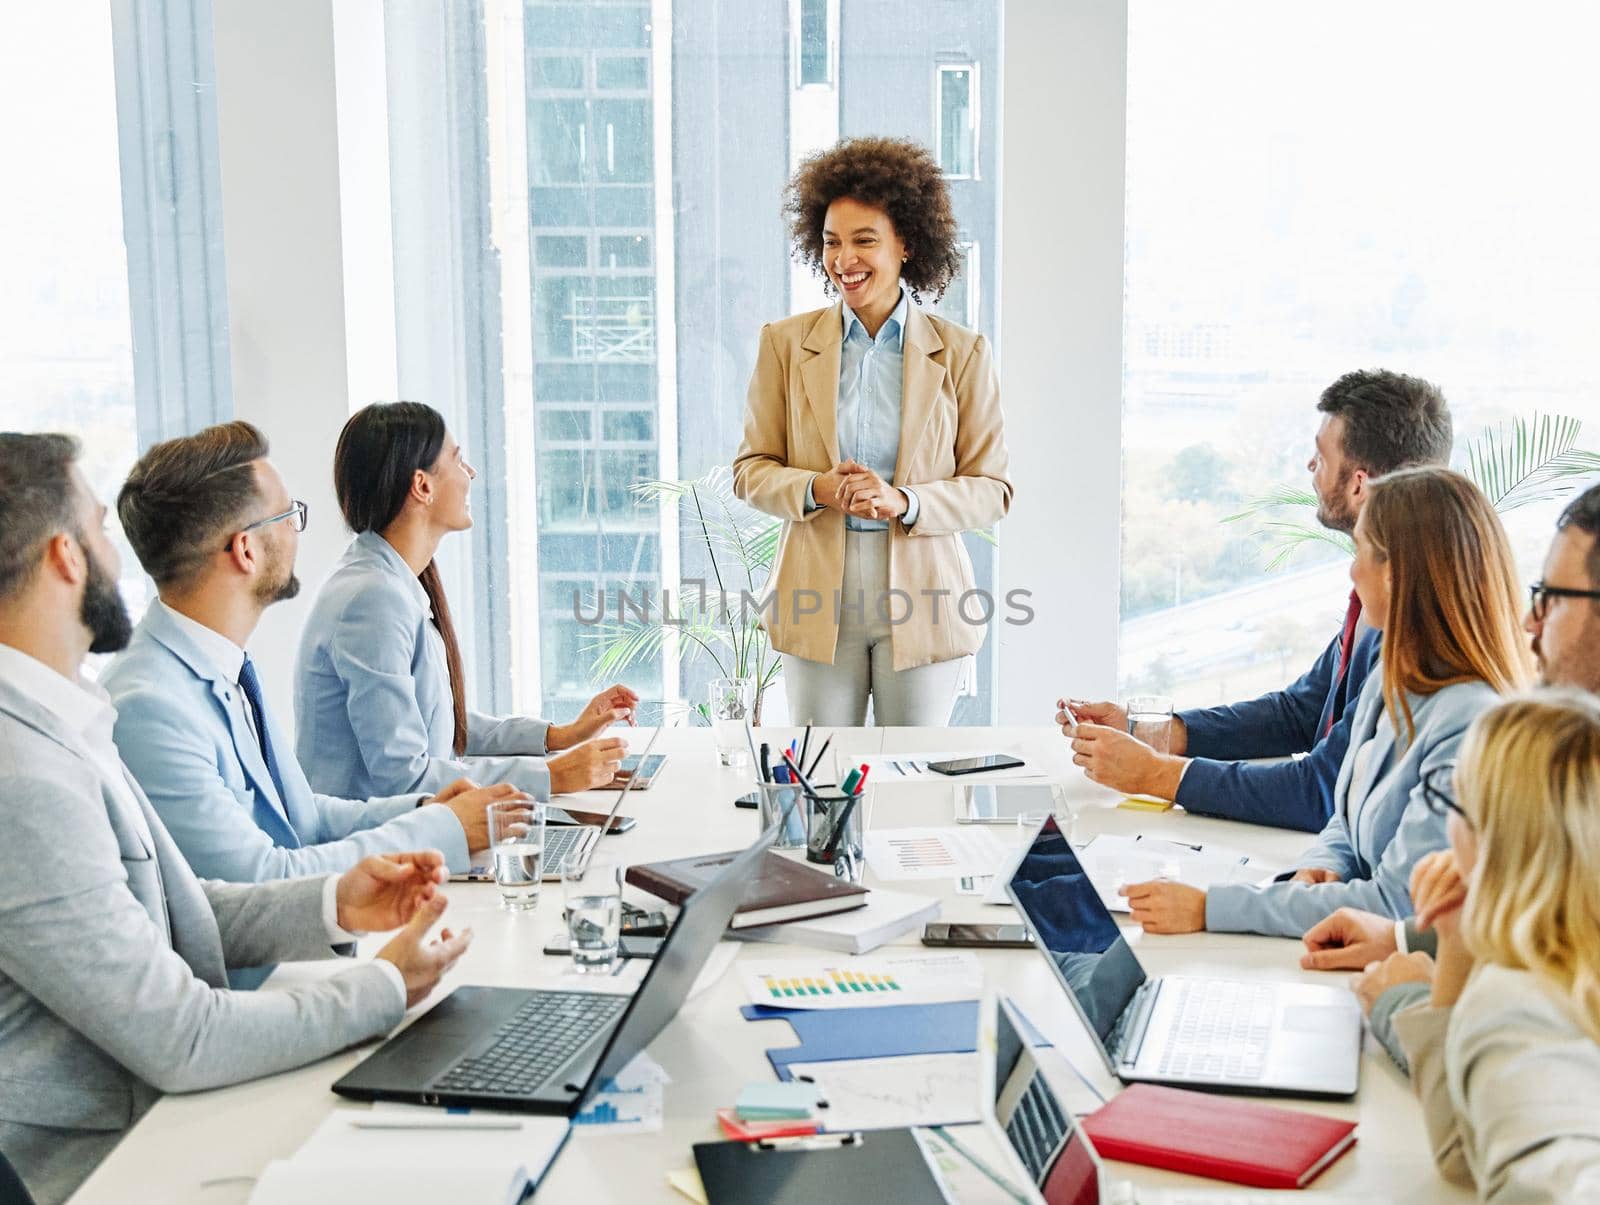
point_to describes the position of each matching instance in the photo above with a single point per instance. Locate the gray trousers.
(836, 695)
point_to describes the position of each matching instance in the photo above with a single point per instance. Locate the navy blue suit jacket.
(1294, 794)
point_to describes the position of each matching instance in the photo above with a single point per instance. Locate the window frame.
(975, 114)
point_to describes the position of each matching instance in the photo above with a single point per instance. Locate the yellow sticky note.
(1138, 803)
(687, 1181)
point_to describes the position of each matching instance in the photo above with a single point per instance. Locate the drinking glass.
(732, 701)
(1150, 720)
(594, 912)
(516, 841)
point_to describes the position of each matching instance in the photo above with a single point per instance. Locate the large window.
(1311, 191)
(657, 137)
(66, 347)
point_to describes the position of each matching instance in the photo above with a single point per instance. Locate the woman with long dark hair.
(380, 689)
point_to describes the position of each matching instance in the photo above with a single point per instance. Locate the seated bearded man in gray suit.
(112, 953)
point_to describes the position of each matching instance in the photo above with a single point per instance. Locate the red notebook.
(1222, 1137)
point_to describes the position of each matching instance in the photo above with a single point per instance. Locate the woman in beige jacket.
(1505, 1056)
(874, 431)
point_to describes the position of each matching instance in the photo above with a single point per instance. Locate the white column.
(278, 139)
(1063, 120)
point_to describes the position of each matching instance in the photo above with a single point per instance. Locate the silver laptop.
(1044, 1148)
(1230, 1034)
(564, 841)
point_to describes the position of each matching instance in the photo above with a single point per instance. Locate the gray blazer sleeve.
(1288, 909)
(76, 939)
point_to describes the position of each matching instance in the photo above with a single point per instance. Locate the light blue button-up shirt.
(871, 386)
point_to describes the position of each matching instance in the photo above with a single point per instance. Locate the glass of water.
(594, 912)
(516, 843)
(732, 702)
(1150, 720)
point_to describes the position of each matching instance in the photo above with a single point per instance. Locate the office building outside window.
(658, 138)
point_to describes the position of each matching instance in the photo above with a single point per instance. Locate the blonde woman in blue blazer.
(380, 690)
(1435, 572)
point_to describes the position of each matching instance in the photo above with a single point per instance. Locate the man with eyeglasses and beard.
(1564, 620)
(213, 523)
(112, 952)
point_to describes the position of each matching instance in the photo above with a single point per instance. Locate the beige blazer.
(952, 453)
(1508, 1084)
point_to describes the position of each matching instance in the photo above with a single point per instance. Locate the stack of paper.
(1113, 861)
(400, 1153)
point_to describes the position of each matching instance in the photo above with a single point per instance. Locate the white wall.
(1064, 93)
(277, 134)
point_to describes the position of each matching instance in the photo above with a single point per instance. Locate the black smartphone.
(1005, 937)
(628, 947)
(976, 765)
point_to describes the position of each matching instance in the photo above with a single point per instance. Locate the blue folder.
(874, 1033)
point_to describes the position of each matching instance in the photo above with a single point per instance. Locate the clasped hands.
(851, 488)
(386, 891)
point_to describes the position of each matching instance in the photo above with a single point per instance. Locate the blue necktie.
(251, 685)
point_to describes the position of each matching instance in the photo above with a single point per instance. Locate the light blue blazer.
(203, 772)
(372, 691)
(1381, 823)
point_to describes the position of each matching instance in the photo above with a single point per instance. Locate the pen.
(848, 786)
(805, 744)
(750, 738)
(861, 782)
(766, 762)
(817, 760)
(794, 772)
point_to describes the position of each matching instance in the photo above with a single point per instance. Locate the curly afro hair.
(895, 175)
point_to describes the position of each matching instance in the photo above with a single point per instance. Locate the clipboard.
(876, 1165)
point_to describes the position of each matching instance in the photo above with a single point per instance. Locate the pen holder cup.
(773, 799)
(824, 843)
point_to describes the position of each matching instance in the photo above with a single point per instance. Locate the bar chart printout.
(913, 979)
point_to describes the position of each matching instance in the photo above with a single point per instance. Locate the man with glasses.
(1564, 620)
(213, 524)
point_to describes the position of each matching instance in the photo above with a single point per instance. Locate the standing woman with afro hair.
(874, 431)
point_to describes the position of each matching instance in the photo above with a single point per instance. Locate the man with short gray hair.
(112, 952)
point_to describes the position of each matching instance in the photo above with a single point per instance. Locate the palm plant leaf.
(1292, 537)
(1278, 495)
(1527, 461)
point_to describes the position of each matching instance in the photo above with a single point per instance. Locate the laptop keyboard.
(533, 1044)
(1222, 1030)
(559, 841)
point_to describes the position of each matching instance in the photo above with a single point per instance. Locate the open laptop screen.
(1072, 927)
(1054, 1151)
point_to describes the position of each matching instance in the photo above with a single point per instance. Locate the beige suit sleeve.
(1421, 1030)
(980, 492)
(762, 475)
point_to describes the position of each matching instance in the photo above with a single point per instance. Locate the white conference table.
(207, 1147)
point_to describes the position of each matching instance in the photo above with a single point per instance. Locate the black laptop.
(549, 1051)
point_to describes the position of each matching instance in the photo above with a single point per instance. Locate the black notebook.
(876, 1165)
